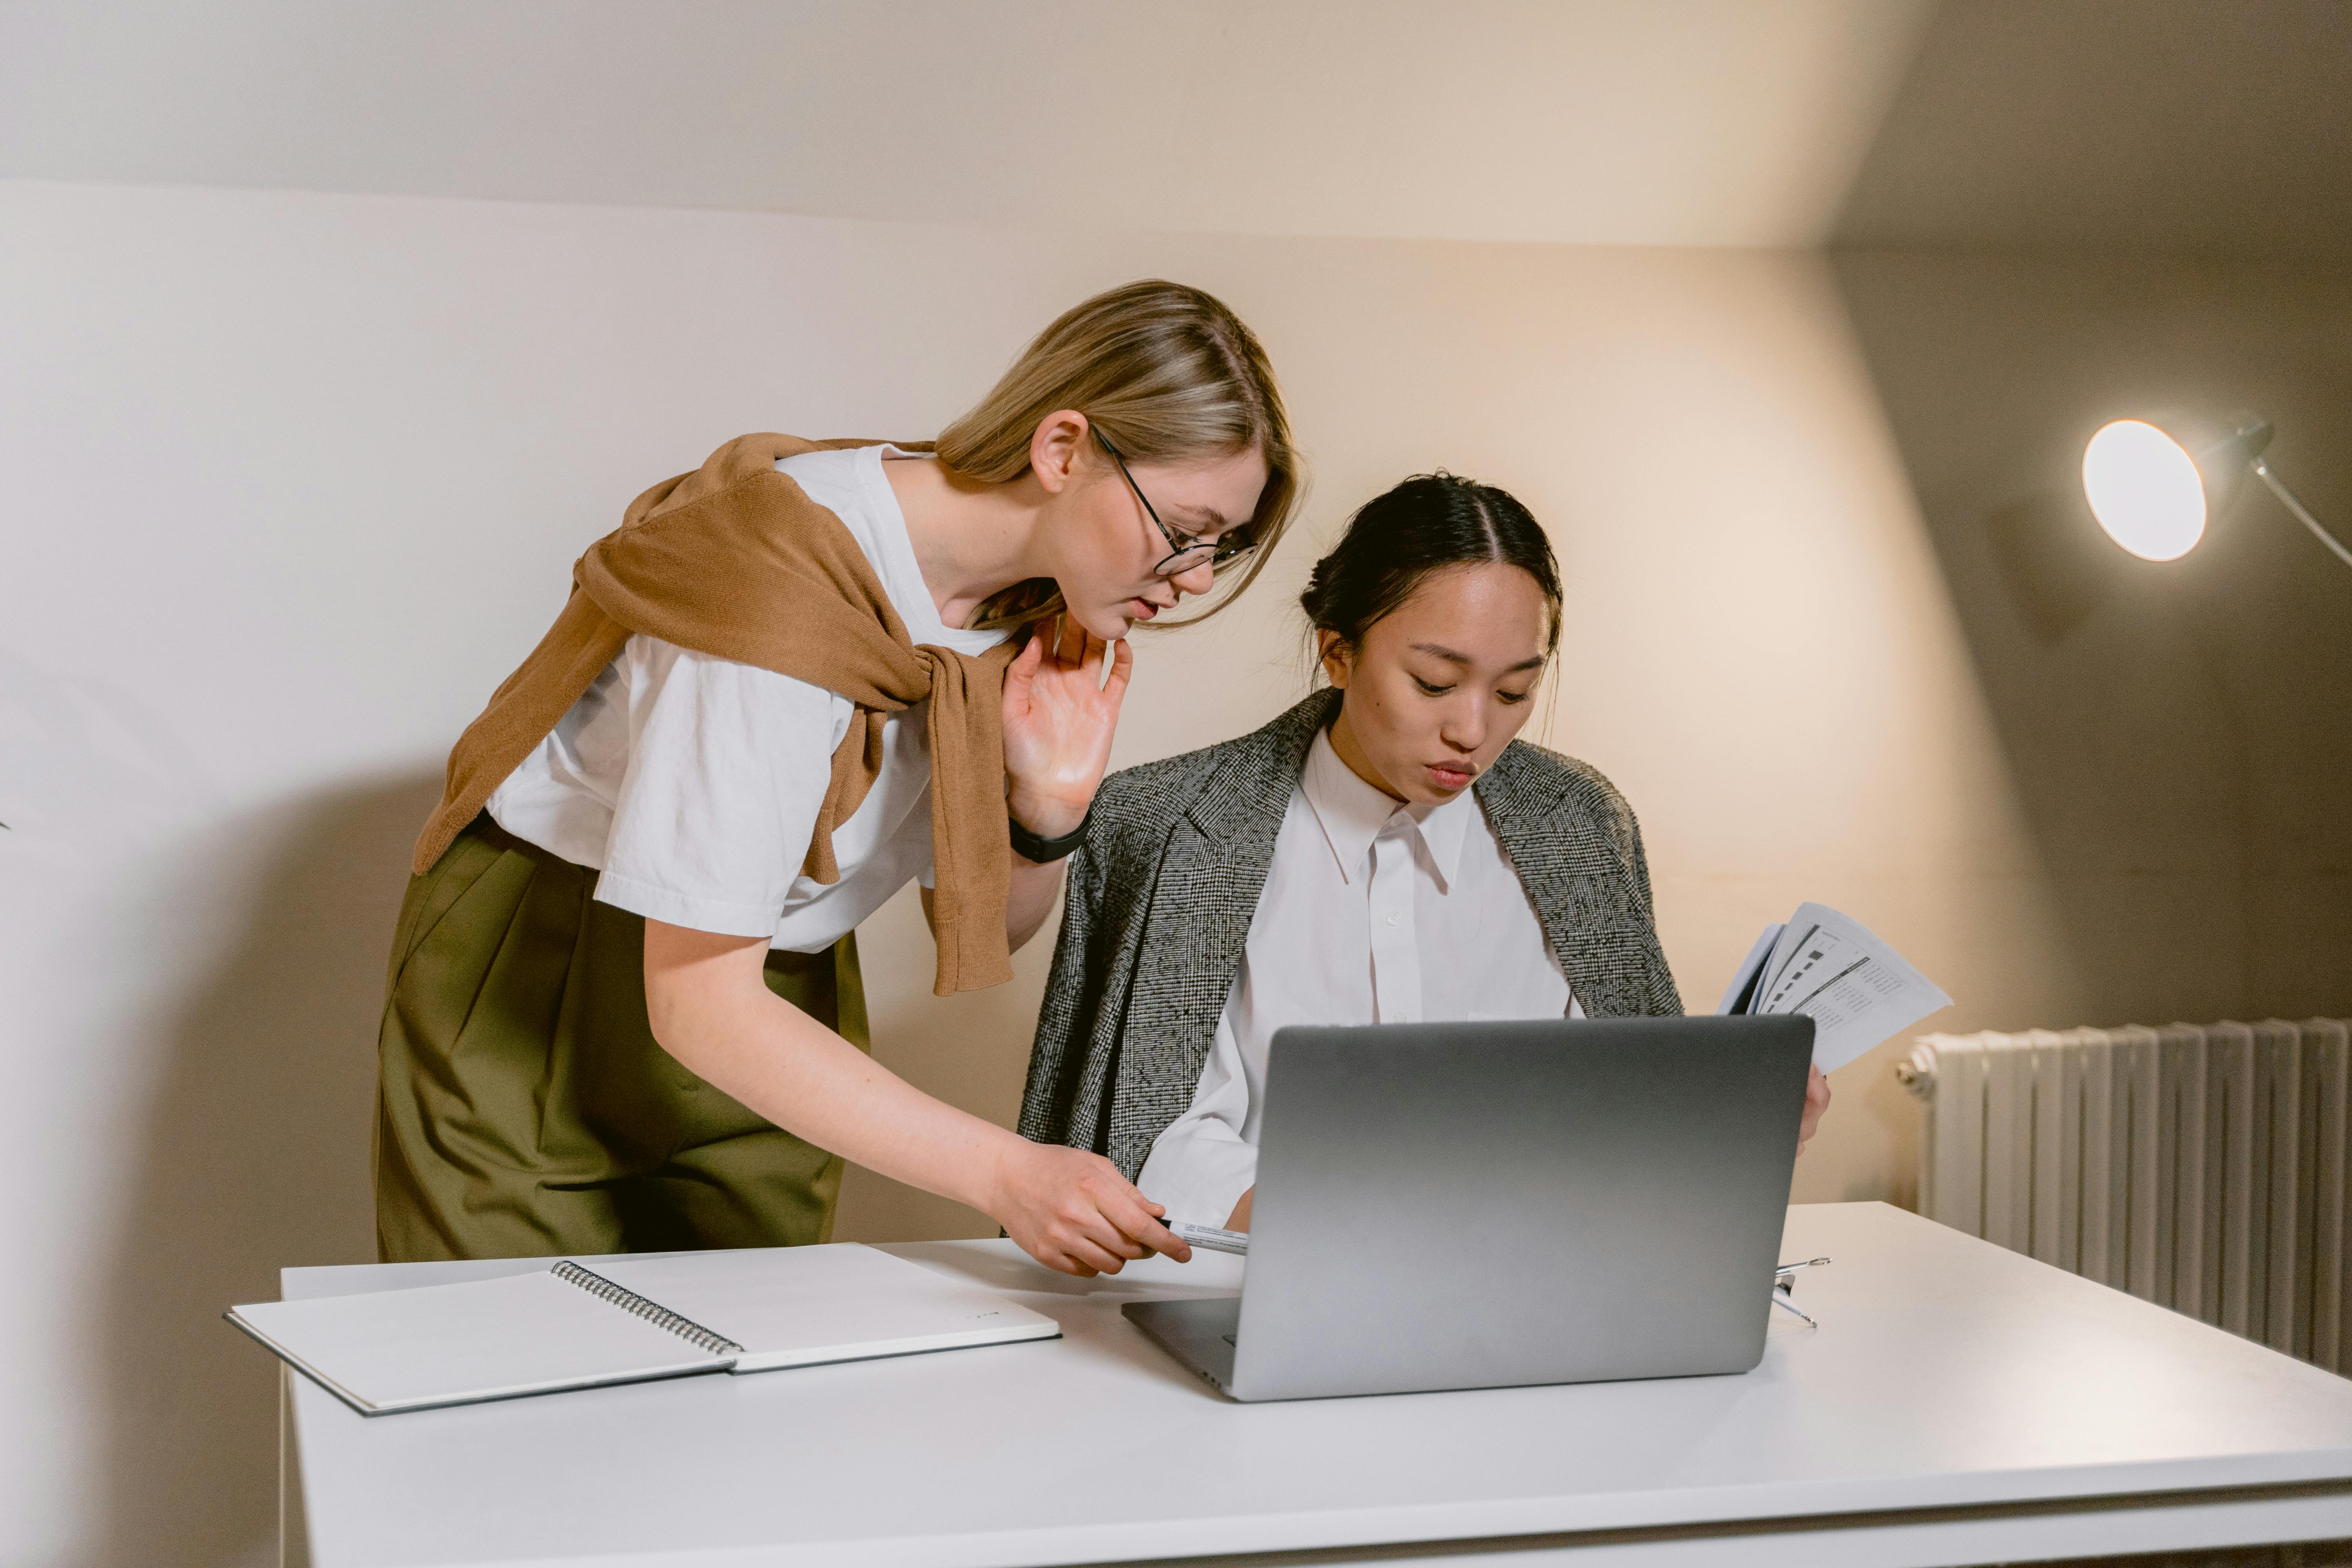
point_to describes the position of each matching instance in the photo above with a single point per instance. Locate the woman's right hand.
(1071, 1210)
(1817, 1101)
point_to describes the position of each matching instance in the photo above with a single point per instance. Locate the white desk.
(1959, 1405)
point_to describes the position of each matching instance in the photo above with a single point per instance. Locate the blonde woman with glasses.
(625, 1011)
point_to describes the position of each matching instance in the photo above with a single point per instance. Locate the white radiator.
(2199, 1166)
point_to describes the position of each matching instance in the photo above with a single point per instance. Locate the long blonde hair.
(1170, 375)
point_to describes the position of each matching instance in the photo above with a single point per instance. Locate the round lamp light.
(2148, 492)
(2145, 490)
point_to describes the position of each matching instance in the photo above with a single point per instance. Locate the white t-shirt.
(693, 783)
(1373, 913)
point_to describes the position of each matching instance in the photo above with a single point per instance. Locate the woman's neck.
(972, 540)
(1343, 741)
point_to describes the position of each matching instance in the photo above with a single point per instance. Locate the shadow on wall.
(2178, 731)
(255, 1151)
(2141, 127)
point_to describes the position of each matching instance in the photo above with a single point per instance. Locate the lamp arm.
(2302, 515)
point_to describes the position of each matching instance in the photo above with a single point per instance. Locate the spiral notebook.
(629, 1321)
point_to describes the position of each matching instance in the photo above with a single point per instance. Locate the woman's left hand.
(1817, 1099)
(1059, 717)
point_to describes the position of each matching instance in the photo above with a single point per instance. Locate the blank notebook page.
(447, 1344)
(799, 1305)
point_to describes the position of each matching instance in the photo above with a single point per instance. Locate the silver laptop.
(1480, 1205)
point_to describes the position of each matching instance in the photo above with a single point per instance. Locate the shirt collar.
(1351, 813)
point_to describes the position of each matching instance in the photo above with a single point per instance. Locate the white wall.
(290, 481)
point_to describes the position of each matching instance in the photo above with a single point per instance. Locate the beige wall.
(293, 480)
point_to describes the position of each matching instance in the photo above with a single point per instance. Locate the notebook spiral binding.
(653, 1313)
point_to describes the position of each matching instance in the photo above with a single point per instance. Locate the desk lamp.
(2149, 493)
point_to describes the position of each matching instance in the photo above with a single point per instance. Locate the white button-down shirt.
(1373, 912)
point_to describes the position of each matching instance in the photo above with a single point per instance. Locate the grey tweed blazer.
(1162, 893)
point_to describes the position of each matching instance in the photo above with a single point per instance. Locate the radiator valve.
(1917, 1073)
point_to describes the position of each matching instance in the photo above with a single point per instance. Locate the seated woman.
(1386, 851)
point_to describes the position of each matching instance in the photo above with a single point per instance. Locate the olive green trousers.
(523, 1109)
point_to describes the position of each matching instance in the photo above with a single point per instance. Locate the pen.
(1210, 1237)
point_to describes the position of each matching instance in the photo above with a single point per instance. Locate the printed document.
(1857, 990)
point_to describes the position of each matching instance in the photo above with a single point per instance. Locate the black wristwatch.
(1045, 851)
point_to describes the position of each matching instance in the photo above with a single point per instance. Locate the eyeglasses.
(1186, 551)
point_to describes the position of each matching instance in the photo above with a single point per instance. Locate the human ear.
(1055, 446)
(1331, 650)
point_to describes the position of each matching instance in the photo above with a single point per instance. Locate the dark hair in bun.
(1427, 523)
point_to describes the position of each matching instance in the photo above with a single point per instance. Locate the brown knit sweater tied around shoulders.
(736, 561)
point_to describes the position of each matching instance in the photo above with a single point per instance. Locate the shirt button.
(1395, 918)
